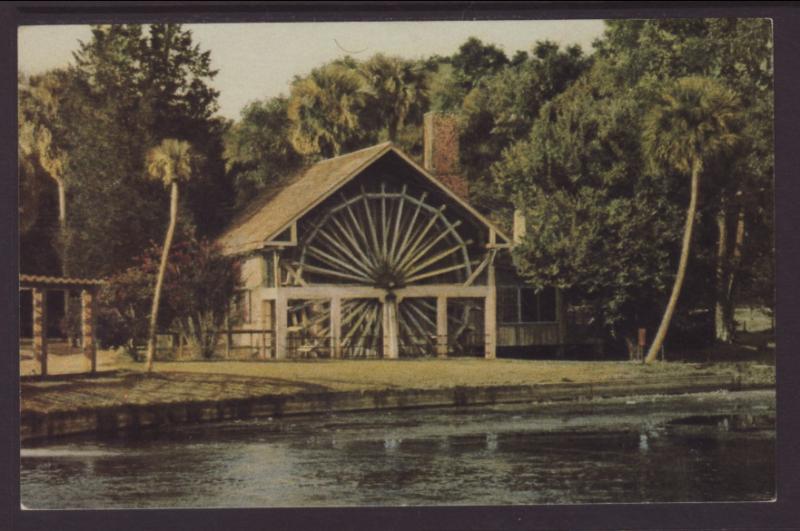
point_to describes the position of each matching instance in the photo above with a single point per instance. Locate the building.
(371, 255)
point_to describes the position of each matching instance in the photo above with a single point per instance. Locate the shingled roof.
(276, 208)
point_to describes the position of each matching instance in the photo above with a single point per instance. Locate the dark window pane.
(507, 305)
(529, 305)
(269, 269)
(547, 305)
(241, 309)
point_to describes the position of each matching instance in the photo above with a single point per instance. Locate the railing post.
(441, 326)
(281, 323)
(336, 327)
(490, 314)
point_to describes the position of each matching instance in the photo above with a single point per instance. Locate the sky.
(259, 60)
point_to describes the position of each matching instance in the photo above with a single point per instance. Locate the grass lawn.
(432, 373)
(420, 374)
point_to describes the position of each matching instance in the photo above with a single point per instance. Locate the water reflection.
(501, 455)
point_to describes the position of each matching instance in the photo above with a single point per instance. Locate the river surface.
(704, 447)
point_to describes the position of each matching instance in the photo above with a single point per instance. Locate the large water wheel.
(385, 238)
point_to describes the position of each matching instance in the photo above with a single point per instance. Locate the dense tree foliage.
(501, 109)
(599, 227)
(584, 160)
(258, 152)
(559, 133)
(129, 89)
(694, 122)
(735, 232)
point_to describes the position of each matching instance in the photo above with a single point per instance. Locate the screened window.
(521, 304)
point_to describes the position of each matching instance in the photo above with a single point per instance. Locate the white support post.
(281, 324)
(490, 315)
(391, 348)
(336, 327)
(441, 326)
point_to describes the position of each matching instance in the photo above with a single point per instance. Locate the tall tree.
(327, 110)
(502, 107)
(476, 61)
(170, 163)
(132, 86)
(737, 192)
(692, 123)
(41, 141)
(398, 90)
(258, 152)
(600, 227)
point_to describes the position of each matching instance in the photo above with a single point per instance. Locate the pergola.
(40, 286)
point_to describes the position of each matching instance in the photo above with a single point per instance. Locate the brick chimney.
(441, 153)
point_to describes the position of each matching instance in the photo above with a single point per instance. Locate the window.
(241, 310)
(521, 304)
(269, 269)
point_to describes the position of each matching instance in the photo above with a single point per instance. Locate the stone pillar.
(40, 328)
(391, 348)
(281, 324)
(490, 314)
(441, 326)
(336, 327)
(87, 328)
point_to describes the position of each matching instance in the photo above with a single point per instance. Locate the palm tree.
(41, 108)
(397, 87)
(171, 163)
(326, 110)
(693, 121)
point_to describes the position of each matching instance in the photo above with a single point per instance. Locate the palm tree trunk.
(721, 330)
(661, 334)
(62, 204)
(62, 254)
(162, 268)
(736, 261)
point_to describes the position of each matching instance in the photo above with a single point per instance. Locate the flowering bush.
(198, 288)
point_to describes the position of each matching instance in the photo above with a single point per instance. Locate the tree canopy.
(561, 133)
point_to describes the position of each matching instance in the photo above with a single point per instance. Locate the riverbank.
(196, 392)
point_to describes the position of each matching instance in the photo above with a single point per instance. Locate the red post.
(40, 328)
(87, 326)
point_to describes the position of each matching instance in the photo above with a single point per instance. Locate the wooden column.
(87, 328)
(336, 327)
(441, 326)
(391, 348)
(281, 324)
(40, 328)
(490, 315)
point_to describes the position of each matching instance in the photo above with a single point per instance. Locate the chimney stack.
(441, 151)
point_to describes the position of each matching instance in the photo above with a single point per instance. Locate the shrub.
(198, 287)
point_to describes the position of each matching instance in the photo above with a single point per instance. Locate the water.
(710, 447)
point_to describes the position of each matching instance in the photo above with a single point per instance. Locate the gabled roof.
(275, 209)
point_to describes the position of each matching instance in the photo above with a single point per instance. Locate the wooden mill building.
(371, 255)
